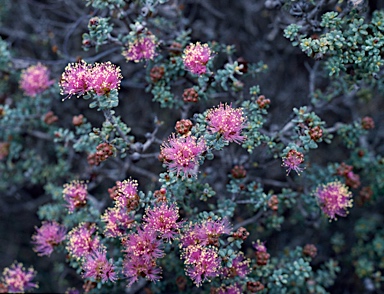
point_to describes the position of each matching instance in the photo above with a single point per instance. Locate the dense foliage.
(160, 146)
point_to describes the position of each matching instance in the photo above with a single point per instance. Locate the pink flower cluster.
(96, 266)
(181, 154)
(81, 77)
(117, 220)
(144, 247)
(240, 267)
(227, 121)
(49, 235)
(143, 48)
(17, 279)
(199, 249)
(196, 57)
(120, 217)
(81, 241)
(205, 233)
(334, 199)
(35, 80)
(75, 194)
(163, 220)
(142, 250)
(293, 160)
(202, 263)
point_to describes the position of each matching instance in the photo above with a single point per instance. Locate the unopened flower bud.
(367, 123)
(156, 74)
(77, 120)
(262, 101)
(190, 95)
(310, 250)
(183, 126)
(238, 172)
(50, 118)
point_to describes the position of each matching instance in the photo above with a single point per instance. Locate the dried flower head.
(227, 121)
(49, 235)
(35, 80)
(75, 194)
(196, 57)
(334, 199)
(181, 154)
(143, 48)
(17, 279)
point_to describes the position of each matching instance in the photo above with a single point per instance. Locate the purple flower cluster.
(75, 194)
(227, 121)
(17, 279)
(143, 48)
(82, 242)
(81, 77)
(181, 154)
(196, 57)
(200, 253)
(49, 235)
(334, 199)
(35, 79)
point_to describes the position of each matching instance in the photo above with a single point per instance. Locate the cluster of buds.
(243, 64)
(160, 195)
(262, 256)
(104, 150)
(4, 150)
(310, 250)
(238, 172)
(50, 118)
(241, 233)
(263, 102)
(183, 127)
(78, 120)
(181, 283)
(273, 203)
(351, 179)
(315, 133)
(255, 287)
(156, 73)
(175, 49)
(190, 95)
(365, 195)
(367, 123)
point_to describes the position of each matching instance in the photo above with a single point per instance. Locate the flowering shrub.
(188, 165)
